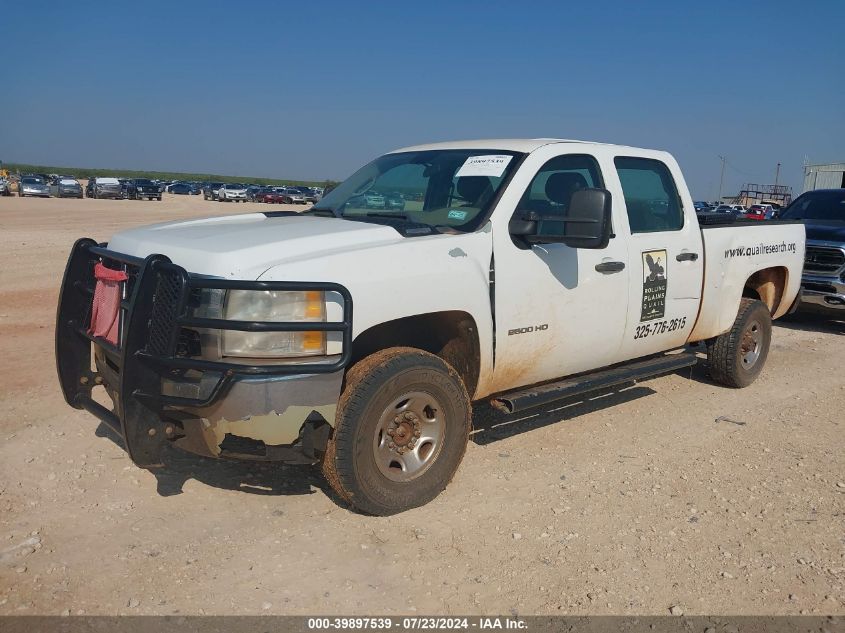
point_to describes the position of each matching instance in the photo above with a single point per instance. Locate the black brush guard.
(153, 311)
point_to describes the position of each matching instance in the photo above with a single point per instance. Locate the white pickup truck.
(518, 271)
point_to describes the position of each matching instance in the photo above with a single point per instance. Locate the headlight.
(268, 305)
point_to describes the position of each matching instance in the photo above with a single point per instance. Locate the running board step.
(539, 395)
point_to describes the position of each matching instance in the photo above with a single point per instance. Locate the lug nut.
(151, 432)
(83, 380)
(98, 380)
(391, 432)
(409, 416)
(391, 445)
(417, 433)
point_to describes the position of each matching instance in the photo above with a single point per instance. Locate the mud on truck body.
(519, 271)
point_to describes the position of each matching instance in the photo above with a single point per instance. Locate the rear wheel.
(736, 358)
(401, 431)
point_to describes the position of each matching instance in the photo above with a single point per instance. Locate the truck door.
(665, 253)
(558, 310)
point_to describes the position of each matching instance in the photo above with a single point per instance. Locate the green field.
(86, 172)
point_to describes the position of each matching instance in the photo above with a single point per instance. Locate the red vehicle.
(273, 197)
(758, 211)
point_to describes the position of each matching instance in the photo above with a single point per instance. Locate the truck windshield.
(440, 188)
(817, 205)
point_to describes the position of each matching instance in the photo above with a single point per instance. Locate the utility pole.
(777, 175)
(721, 178)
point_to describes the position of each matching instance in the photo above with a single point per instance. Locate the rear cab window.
(651, 196)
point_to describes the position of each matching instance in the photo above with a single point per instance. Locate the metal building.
(830, 176)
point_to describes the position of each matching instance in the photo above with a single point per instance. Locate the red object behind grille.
(106, 304)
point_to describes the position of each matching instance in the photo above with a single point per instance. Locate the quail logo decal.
(654, 285)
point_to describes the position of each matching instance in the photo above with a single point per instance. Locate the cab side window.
(552, 187)
(651, 196)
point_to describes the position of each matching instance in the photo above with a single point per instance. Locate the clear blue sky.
(314, 89)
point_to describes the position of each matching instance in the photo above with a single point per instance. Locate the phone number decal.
(659, 327)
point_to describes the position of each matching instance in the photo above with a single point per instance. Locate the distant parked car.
(209, 190)
(140, 188)
(700, 206)
(775, 211)
(290, 195)
(5, 187)
(124, 187)
(231, 192)
(103, 187)
(374, 200)
(724, 208)
(183, 189)
(394, 201)
(309, 194)
(63, 187)
(33, 186)
(759, 212)
(272, 196)
(254, 193)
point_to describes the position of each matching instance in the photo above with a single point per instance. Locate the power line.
(742, 171)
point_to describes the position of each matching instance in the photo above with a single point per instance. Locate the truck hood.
(245, 246)
(825, 230)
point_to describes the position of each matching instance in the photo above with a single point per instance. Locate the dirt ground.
(674, 493)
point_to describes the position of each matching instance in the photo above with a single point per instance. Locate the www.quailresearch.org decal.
(654, 285)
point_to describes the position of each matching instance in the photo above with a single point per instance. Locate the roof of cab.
(525, 145)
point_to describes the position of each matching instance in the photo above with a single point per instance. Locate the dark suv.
(209, 190)
(823, 283)
(140, 188)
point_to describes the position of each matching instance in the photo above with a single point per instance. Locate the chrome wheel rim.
(751, 344)
(409, 436)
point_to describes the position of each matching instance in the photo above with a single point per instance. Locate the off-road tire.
(725, 353)
(370, 387)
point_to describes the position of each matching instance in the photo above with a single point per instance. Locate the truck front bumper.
(823, 292)
(163, 392)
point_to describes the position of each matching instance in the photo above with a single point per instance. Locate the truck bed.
(738, 250)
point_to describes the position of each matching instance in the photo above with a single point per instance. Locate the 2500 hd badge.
(531, 328)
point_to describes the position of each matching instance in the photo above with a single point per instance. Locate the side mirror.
(586, 224)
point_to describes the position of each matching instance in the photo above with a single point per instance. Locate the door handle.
(687, 257)
(610, 267)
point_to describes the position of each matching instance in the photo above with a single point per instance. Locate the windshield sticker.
(489, 165)
(457, 215)
(654, 285)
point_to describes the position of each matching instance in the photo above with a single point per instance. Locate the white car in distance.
(232, 192)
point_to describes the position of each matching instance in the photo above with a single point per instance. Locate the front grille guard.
(154, 309)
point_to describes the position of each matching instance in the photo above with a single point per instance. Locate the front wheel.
(401, 430)
(736, 358)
